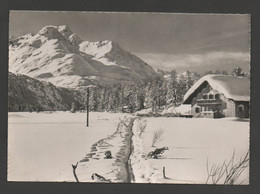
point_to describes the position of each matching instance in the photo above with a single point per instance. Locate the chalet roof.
(236, 88)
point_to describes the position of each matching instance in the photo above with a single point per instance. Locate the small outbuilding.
(127, 109)
(216, 96)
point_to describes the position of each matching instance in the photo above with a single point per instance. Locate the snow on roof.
(236, 88)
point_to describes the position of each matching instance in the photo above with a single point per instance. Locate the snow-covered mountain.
(28, 94)
(57, 55)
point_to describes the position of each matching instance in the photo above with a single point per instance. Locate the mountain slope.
(28, 94)
(58, 56)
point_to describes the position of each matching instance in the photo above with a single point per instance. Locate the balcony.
(207, 114)
(202, 102)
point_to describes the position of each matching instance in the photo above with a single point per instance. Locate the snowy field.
(42, 146)
(191, 143)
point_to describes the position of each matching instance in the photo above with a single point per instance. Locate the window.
(211, 96)
(217, 96)
(197, 109)
(205, 96)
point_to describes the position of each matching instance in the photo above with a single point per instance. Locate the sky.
(196, 42)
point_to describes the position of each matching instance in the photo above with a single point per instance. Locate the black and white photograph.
(129, 97)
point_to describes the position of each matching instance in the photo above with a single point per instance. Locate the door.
(241, 111)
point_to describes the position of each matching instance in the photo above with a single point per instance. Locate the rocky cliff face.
(57, 55)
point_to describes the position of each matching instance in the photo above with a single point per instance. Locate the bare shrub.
(157, 136)
(227, 173)
(121, 124)
(74, 167)
(142, 126)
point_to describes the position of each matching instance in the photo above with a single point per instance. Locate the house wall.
(230, 110)
(227, 108)
(246, 109)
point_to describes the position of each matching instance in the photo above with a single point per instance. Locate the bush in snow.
(157, 152)
(157, 136)
(108, 155)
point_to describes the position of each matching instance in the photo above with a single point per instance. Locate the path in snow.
(118, 168)
(42, 147)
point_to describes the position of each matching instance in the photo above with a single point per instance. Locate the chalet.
(216, 96)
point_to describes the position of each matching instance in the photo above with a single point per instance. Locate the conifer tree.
(73, 107)
(171, 85)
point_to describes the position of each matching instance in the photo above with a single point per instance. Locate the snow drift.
(182, 110)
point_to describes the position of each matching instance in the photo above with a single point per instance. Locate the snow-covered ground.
(42, 146)
(116, 168)
(191, 143)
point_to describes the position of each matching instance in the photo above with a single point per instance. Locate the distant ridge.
(28, 94)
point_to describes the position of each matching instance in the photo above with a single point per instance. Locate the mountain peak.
(51, 32)
(56, 32)
(99, 48)
(64, 30)
(57, 55)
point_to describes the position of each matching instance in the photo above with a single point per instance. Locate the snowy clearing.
(42, 147)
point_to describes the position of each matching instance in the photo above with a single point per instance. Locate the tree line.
(157, 93)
